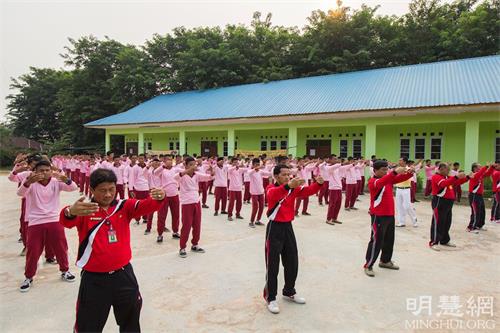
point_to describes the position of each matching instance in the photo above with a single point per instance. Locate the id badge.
(112, 236)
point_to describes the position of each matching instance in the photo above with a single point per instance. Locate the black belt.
(110, 272)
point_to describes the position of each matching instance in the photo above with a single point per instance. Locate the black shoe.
(419, 200)
(204, 206)
(166, 230)
(306, 214)
(223, 213)
(20, 240)
(198, 249)
(68, 277)
(147, 232)
(159, 239)
(52, 261)
(259, 223)
(354, 208)
(239, 217)
(182, 253)
(216, 214)
(176, 235)
(144, 221)
(251, 225)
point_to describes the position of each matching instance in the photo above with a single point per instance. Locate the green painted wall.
(388, 129)
(251, 139)
(487, 137)
(334, 134)
(452, 144)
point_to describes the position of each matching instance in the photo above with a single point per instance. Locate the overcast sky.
(34, 32)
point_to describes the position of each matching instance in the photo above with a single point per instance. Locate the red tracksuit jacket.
(381, 197)
(106, 256)
(442, 186)
(286, 212)
(476, 184)
(495, 177)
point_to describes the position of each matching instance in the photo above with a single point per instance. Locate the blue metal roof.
(456, 82)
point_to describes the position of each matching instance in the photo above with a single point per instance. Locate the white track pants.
(404, 206)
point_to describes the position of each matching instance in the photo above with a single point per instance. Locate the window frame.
(440, 147)
(360, 148)
(409, 146)
(415, 147)
(347, 148)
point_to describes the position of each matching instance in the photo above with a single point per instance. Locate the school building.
(445, 111)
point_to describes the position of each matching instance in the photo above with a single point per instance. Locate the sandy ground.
(220, 291)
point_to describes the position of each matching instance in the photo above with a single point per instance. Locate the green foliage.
(106, 77)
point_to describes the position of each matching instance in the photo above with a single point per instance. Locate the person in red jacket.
(443, 197)
(104, 254)
(476, 201)
(382, 214)
(495, 184)
(280, 238)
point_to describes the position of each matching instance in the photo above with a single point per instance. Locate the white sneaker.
(449, 244)
(435, 247)
(295, 299)
(273, 307)
(399, 225)
(483, 228)
(68, 277)
(26, 285)
(472, 231)
(415, 225)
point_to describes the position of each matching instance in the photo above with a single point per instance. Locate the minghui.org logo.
(450, 313)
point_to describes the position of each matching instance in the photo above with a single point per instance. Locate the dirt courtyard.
(220, 291)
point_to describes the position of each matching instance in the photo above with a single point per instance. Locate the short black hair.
(34, 158)
(234, 159)
(456, 164)
(474, 166)
(189, 159)
(427, 161)
(277, 169)
(442, 165)
(404, 159)
(379, 164)
(42, 162)
(220, 159)
(102, 176)
(255, 161)
(109, 153)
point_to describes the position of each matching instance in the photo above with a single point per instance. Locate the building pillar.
(140, 143)
(182, 143)
(292, 141)
(230, 142)
(471, 144)
(107, 142)
(370, 141)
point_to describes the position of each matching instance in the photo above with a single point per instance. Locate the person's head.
(281, 174)
(255, 162)
(141, 159)
(116, 160)
(43, 167)
(155, 163)
(475, 167)
(234, 161)
(437, 163)
(189, 162)
(456, 166)
(443, 169)
(374, 158)
(33, 159)
(167, 160)
(380, 168)
(403, 161)
(350, 159)
(110, 155)
(410, 163)
(497, 165)
(428, 162)
(103, 186)
(220, 161)
(133, 158)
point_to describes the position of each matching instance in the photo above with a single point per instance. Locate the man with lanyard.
(104, 254)
(280, 238)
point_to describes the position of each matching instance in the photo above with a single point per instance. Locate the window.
(419, 148)
(149, 146)
(263, 145)
(171, 145)
(235, 144)
(343, 148)
(497, 149)
(273, 145)
(177, 146)
(356, 148)
(284, 144)
(436, 148)
(224, 148)
(404, 148)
